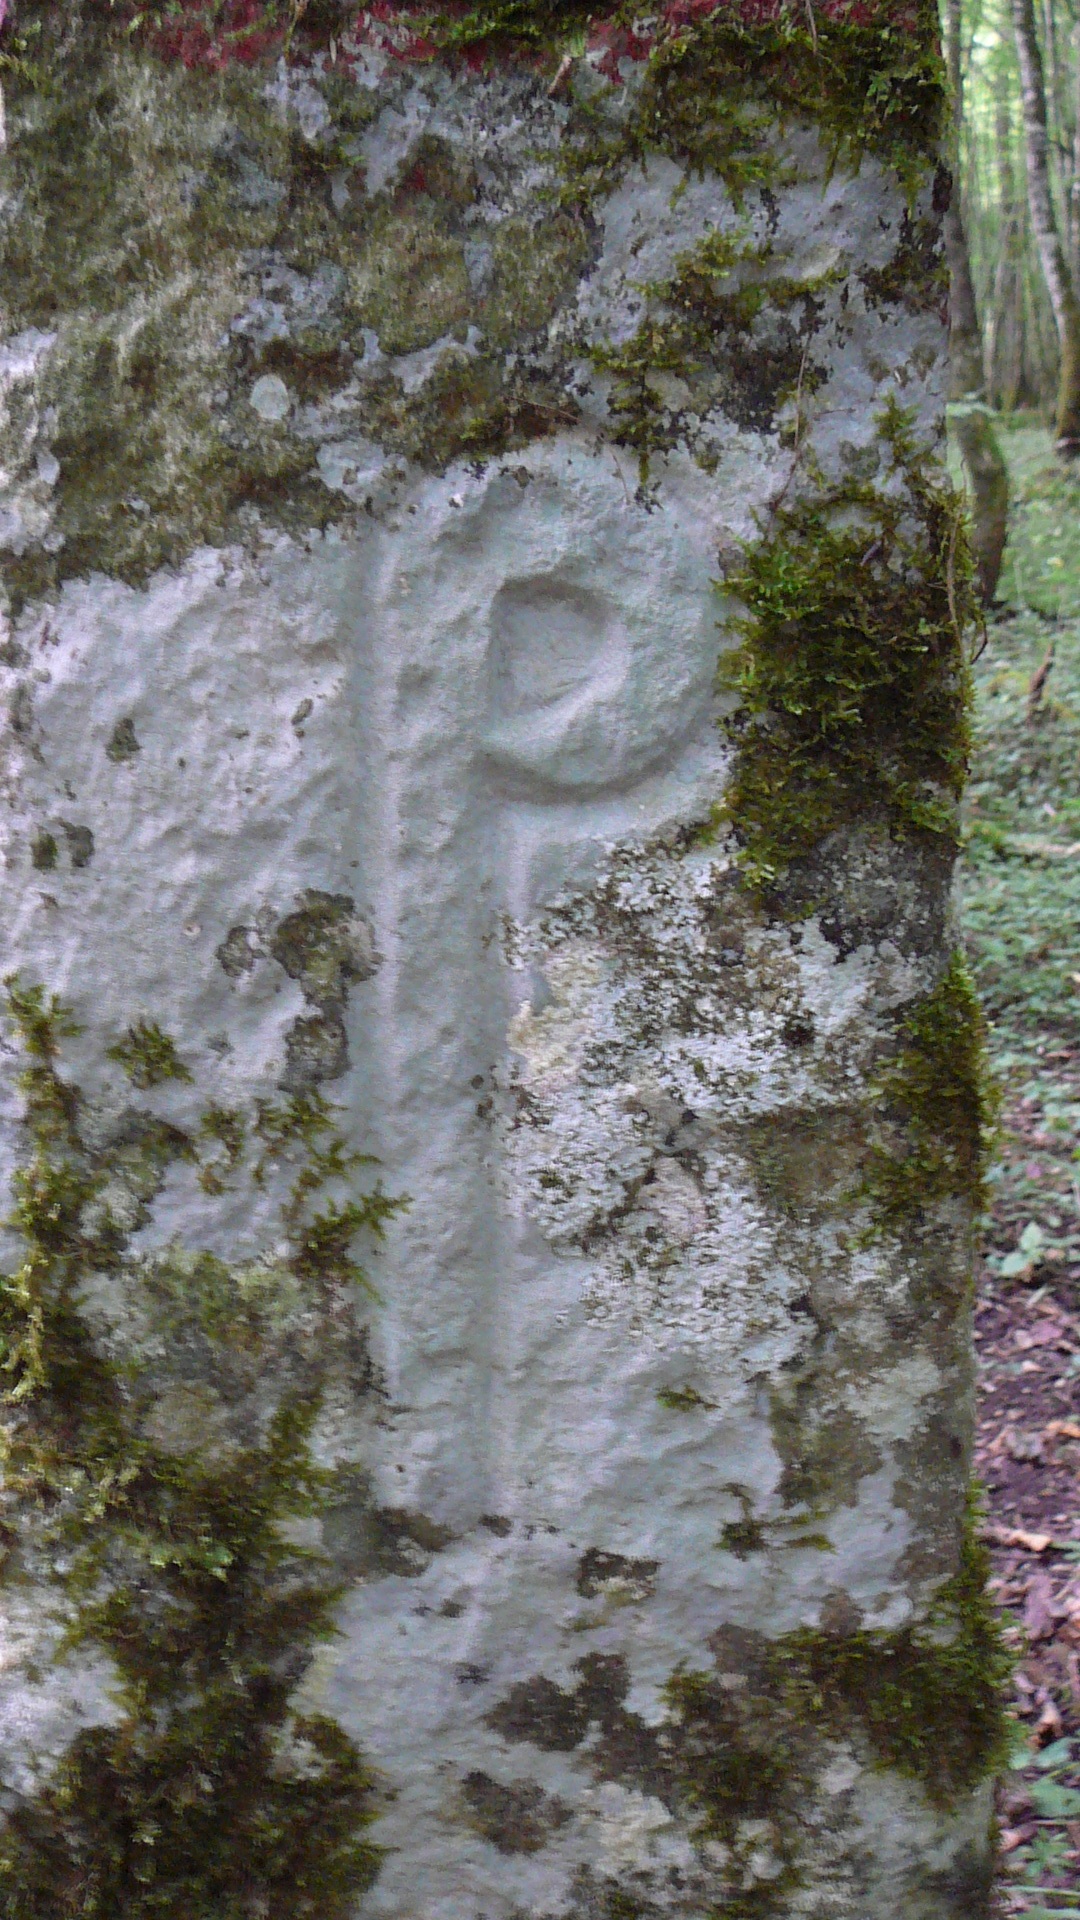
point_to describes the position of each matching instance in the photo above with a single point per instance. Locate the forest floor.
(1021, 911)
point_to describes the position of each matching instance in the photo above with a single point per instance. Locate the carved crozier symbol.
(575, 699)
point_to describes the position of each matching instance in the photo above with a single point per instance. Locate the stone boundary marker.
(492, 1106)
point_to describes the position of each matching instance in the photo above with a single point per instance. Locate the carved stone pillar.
(492, 1104)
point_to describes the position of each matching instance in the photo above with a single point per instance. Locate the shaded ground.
(1021, 909)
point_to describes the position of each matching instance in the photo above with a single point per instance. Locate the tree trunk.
(1055, 267)
(966, 377)
(1003, 329)
(493, 1110)
(988, 477)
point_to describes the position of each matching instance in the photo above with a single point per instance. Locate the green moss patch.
(930, 1699)
(153, 1484)
(851, 671)
(697, 352)
(209, 1794)
(939, 1100)
(148, 1055)
(711, 90)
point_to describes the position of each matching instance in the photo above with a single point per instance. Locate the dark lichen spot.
(743, 1537)
(807, 1166)
(80, 842)
(929, 1698)
(866, 886)
(238, 952)
(544, 1715)
(367, 1541)
(917, 276)
(610, 1574)
(965, 1886)
(324, 945)
(797, 1033)
(827, 1453)
(633, 1896)
(123, 744)
(497, 1523)
(316, 1049)
(516, 1818)
(717, 1759)
(21, 710)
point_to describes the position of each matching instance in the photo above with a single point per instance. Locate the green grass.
(1021, 877)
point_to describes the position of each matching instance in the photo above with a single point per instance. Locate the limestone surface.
(377, 501)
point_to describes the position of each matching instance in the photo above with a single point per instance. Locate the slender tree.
(1003, 345)
(1055, 266)
(987, 473)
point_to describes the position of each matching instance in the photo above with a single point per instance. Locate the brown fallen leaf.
(1038, 682)
(1039, 1612)
(1049, 1722)
(1013, 1837)
(1024, 1446)
(1045, 1332)
(1018, 1537)
(1063, 1429)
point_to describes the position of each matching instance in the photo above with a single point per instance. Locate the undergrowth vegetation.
(1020, 902)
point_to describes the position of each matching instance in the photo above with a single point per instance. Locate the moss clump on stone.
(930, 1698)
(148, 1055)
(44, 851)
(872, 78)
(851, 673)
(939, 1103)
(743, 1537)
(226, 1127)
(723, 1771)
(207, 1794)
(697, 353)
(875, 85)
(682, 1399)
(123, 744)
(207, 1798)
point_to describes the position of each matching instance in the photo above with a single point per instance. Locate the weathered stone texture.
(369, 489)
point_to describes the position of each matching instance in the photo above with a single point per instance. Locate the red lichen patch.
(418, 30)
(209, 33)
(214, 34)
